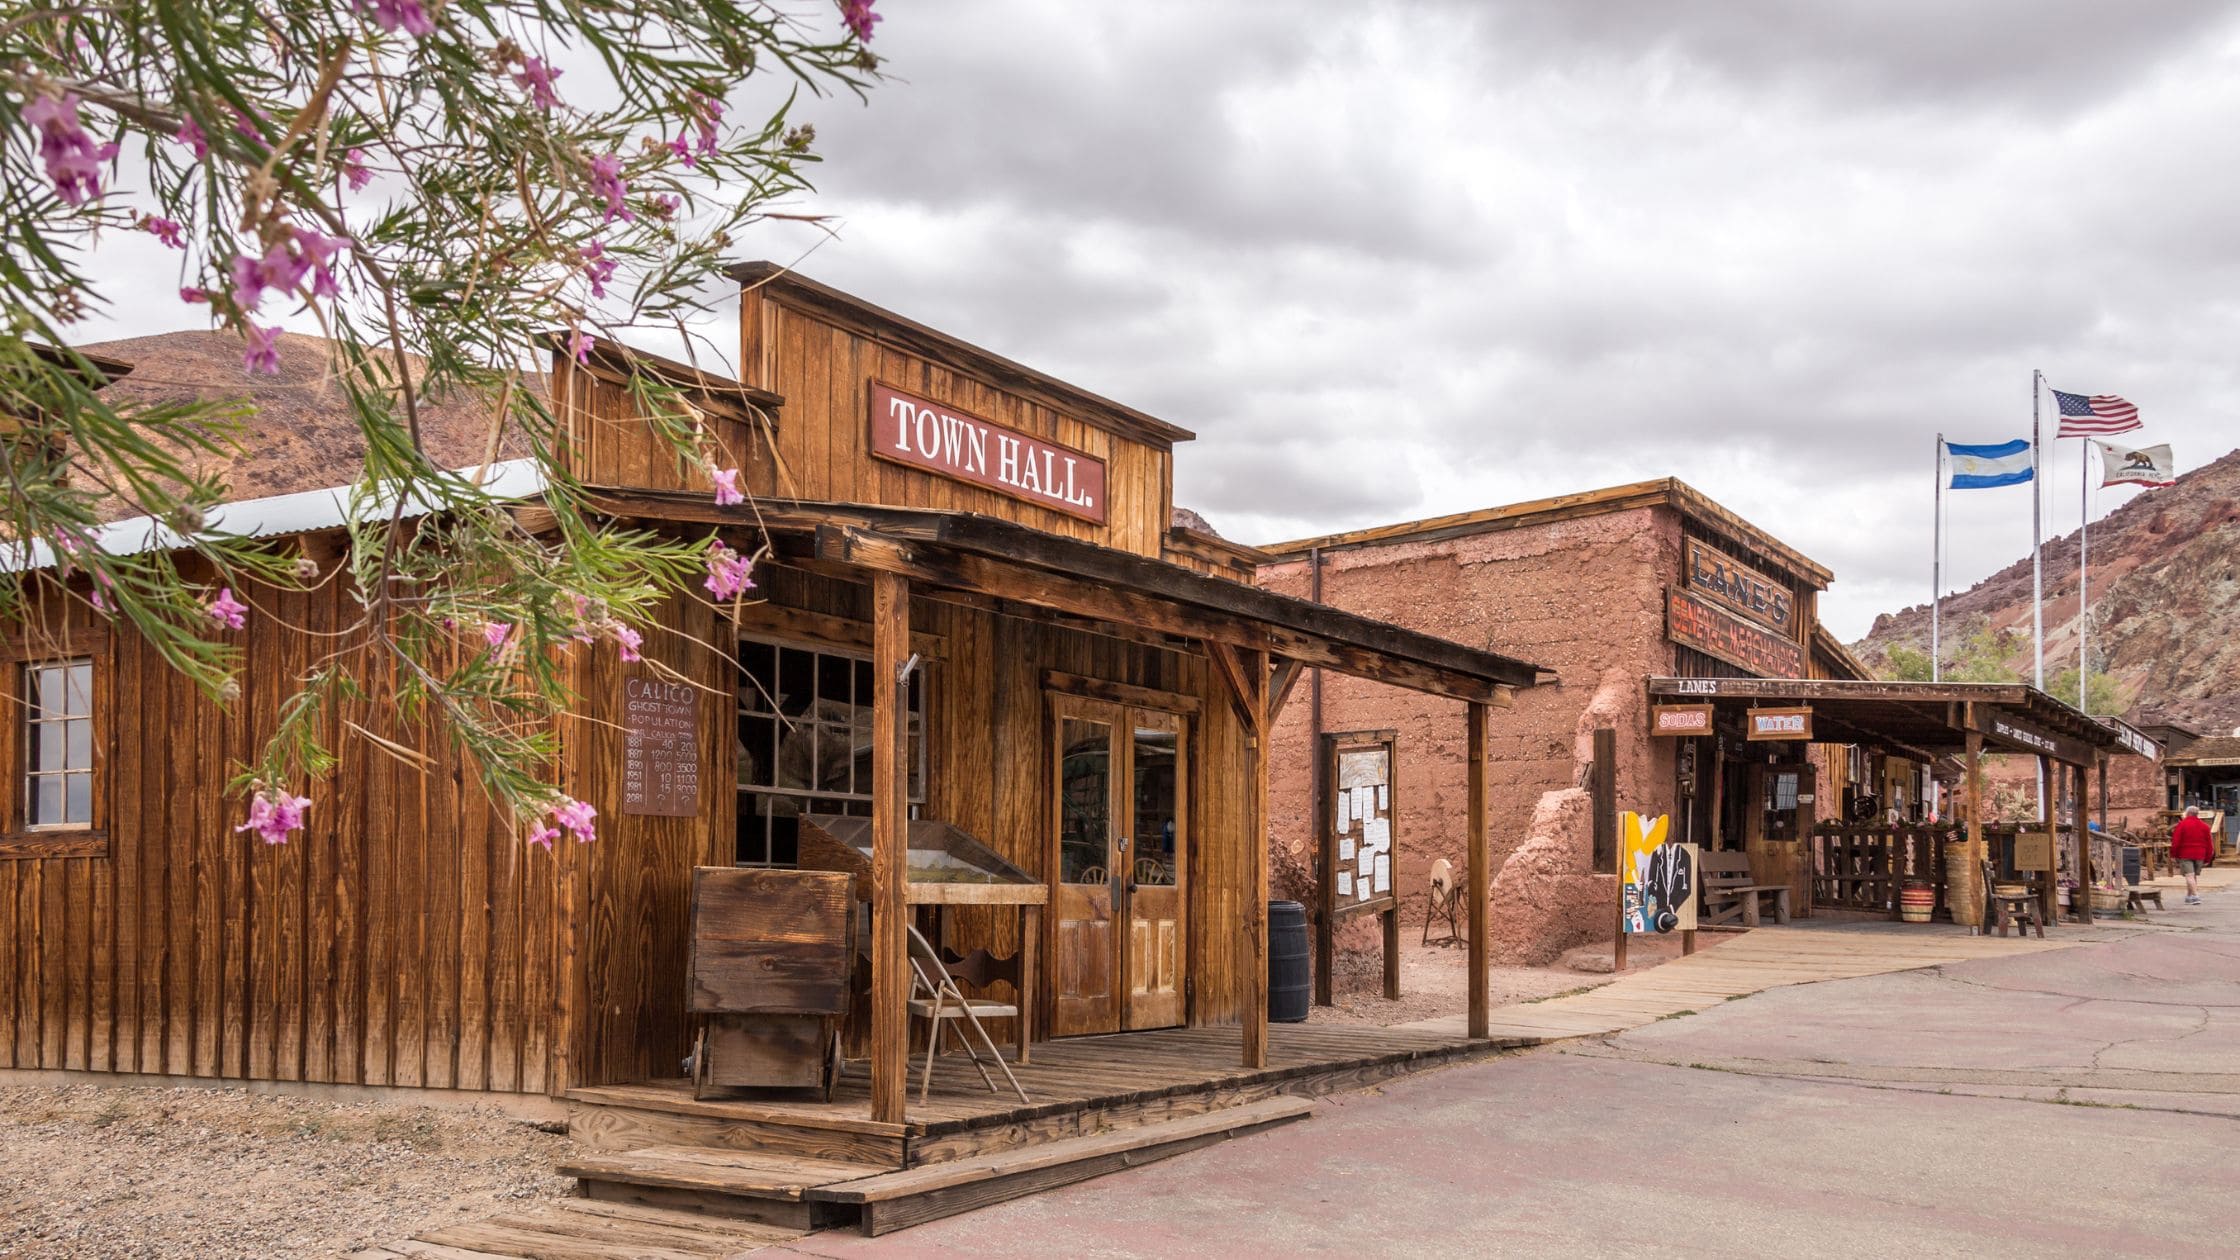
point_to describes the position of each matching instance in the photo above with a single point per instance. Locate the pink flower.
(318, 251)
(664, 205)
(166, 230)
(354, 172)
(280, 268)
(608, 184)
(272, 818)
(707, 111)
(628, 641)
(598, 268)
(73, 159)
(683, 150)
(544, 836)
(729, 573)
(193, 296)
(586, 629)
(859, 19)
(576, 816)
(727, 486)
(537, 77)
(190, 135)
(226, 610)
(262, 352)
(495, 633)
(579, 345)
(392, 15)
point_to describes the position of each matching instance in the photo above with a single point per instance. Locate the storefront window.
(805, 742)
(58, 745)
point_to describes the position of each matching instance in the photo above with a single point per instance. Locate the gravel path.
(153, 1171)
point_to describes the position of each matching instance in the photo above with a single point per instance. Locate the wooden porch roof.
(1919, 719)
(1016, 564)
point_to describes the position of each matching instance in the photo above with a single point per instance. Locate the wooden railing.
(1862, 866)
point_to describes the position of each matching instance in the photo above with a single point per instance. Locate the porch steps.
(756, 1185)
(583, 1229)
(897, 1200)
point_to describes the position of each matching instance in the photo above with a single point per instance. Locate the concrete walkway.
(2045, 1102)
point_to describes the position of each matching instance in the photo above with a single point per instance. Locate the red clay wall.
(1584, 598)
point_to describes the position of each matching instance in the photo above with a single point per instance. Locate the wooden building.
(974, 608)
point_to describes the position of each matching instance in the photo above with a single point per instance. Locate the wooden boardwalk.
(1765, 958)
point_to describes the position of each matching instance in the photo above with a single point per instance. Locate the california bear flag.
(2136, 466)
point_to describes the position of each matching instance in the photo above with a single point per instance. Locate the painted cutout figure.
(1658, 876)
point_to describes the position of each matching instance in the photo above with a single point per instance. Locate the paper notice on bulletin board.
(1345, 883)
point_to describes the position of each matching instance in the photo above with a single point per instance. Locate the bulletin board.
(1360, 823)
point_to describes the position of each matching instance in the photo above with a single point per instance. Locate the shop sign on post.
(1657, 877)
(1780, 723)
(1680, 719)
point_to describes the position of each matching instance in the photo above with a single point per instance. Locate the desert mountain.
(2165, 603)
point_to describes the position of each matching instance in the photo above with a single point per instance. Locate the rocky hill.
(2165, 603)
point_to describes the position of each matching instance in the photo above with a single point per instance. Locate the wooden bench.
(1731, 891)
(2137, 898)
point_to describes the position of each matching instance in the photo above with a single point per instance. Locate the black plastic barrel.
(2131, 864)
(1290, 963)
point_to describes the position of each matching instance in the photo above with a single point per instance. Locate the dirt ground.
(154, 1171)
(1433, 982)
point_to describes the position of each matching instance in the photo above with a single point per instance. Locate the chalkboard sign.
(660, 748)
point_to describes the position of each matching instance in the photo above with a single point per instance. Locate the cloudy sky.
(1396, 260)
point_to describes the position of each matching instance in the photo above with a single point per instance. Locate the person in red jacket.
(2191, 847)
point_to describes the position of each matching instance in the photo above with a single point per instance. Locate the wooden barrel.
(1290, 963)
(1917, 900)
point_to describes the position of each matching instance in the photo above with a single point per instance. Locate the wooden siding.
(986, 726)
(402, 938)
(824, 372)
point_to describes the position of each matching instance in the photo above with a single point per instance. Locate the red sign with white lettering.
(909, 430)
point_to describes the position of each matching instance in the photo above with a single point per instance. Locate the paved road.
(2078, 1102)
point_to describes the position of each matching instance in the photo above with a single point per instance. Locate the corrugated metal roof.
(297, 513)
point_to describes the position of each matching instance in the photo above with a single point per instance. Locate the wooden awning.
(1917, 718)
(1004, 561)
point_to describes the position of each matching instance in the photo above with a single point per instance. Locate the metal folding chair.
(935, 996)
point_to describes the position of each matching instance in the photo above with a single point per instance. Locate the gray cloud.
(1392, 260)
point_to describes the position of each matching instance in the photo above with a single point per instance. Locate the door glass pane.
(1155, 811)
(1084, 801)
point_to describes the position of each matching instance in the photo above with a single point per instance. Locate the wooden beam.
(1969, 910)
(1479, 871)
(1109, 602)
(1243, 696)
(1252, 943)
(2077, 809)
(890, 760)
(1118, 693)
(1279, 688)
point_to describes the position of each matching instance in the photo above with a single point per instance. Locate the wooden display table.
(947, 867)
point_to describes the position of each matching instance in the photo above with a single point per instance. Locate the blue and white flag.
(1982, 467)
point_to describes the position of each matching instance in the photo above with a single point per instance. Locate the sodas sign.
(906, 429)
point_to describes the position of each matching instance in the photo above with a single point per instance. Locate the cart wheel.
(832, 1067)
(700, 1063)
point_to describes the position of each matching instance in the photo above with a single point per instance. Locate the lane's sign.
(1680, 719)
(1693, 623)
(1721, 579)
(1795, 723)
(907, 429)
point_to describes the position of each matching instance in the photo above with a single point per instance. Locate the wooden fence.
(1861, 867)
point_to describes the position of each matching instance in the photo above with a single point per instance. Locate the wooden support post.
(1325, 869)
(2085, 885)
(1252, 944)
(1391, 954)
(2102, 768)
(1479, 871)
(1963, 894)
(890, 962)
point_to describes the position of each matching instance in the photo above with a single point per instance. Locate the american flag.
(2096, 416)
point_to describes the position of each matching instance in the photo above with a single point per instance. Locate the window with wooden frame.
(805, 741)
(53, 802)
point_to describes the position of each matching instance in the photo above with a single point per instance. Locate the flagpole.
(2037, 531)
(1936, 574)
(2084, 572)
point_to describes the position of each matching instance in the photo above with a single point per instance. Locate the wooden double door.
(1121, 850)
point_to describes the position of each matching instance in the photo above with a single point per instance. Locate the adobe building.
(1607, 590)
